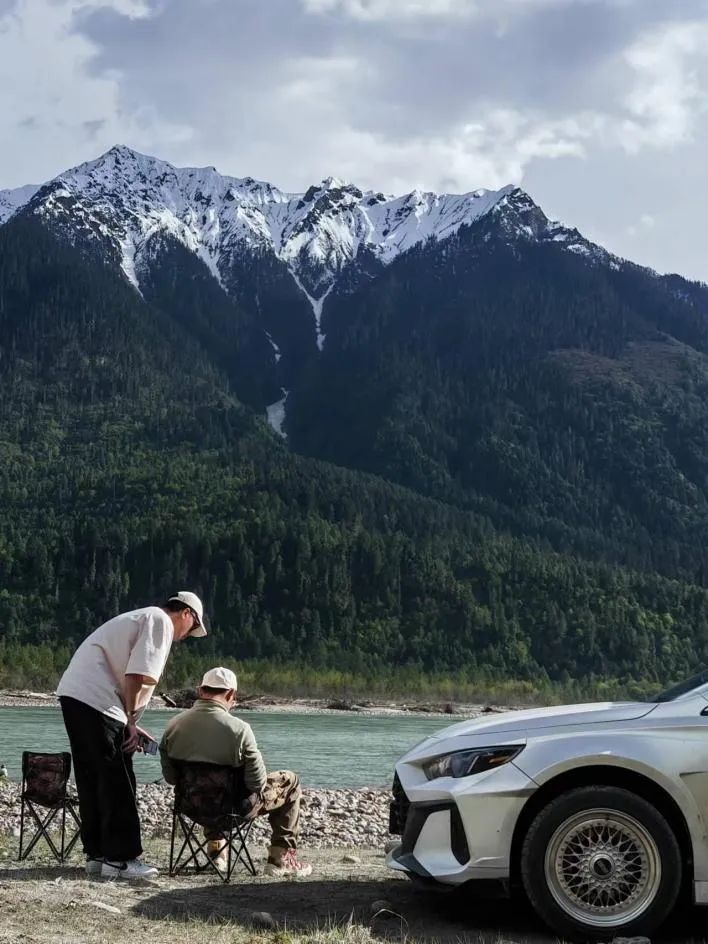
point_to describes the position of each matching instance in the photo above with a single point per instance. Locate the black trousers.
(105, 782)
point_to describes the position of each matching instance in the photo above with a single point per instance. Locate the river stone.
(351, 860)
(262, 919)
(331, 818)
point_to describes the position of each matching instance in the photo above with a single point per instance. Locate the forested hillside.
(130, 467)
(563, 395)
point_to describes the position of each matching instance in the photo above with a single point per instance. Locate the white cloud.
(49, 101)
(375, 10)
(400, 10)
(491, 151)
(669, 92)
(645, 223)
(315, 82)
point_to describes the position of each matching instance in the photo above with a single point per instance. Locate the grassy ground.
(341, 903)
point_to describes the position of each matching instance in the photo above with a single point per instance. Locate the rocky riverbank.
(280, 705)
(330, 818)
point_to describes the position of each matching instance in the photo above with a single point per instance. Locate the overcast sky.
(597, 107)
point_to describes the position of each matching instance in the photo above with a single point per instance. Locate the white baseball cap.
(195, 604)
(220, 678)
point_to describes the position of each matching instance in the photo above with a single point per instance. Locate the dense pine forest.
(499, 477)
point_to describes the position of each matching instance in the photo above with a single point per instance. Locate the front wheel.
(599, 860)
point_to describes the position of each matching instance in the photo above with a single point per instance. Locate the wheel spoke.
(603, 867)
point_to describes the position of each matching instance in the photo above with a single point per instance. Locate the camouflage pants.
(279, 800)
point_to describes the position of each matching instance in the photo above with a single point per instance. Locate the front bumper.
(464, 835)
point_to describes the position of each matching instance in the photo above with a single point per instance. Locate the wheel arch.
(610, 776)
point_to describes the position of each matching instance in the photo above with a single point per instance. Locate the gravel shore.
(278, 705)
(330, 818)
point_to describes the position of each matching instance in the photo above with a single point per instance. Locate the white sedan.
(597, 811)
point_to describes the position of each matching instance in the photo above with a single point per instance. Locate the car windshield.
(683, 688)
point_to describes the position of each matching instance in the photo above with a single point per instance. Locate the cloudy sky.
(597, 107)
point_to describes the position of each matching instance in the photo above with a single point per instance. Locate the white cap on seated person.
(220, 678)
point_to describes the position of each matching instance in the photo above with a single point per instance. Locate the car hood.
(510, 722)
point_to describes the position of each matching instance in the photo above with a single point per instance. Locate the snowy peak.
(13, 200)
(148, 177)
(121, 200)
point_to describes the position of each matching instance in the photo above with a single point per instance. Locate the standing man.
(103, 692)
(208, 733)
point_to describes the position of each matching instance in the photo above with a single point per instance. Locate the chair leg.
(63, 830)
(250, 867)
(176, 861)
(237, 850)
(176, 864)
(209, 863)
(77, 832)
(172, 842)
(237, 842)
(42, 831)
(22, 826)
(189, 842)
(230, 864)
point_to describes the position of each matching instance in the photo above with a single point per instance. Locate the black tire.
(549, 877)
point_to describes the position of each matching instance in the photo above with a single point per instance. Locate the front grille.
(398, 810)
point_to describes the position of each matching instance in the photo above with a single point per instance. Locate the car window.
(683, 688)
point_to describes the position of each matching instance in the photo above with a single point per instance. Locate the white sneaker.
(93, 867)
(128, 870)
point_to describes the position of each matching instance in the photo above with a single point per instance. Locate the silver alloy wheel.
(603, 867)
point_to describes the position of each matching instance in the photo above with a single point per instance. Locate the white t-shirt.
(135, 643)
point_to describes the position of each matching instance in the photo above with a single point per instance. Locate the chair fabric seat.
(45, 802)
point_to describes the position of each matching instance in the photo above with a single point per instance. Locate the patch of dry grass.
(43, 902)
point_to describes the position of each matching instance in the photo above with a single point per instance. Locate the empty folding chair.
(45, 802)
(211, 797)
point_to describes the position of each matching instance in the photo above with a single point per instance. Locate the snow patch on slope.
(317, 306)
(276, 349)
(276, 414)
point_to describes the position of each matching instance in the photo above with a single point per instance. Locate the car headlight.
(467, 763)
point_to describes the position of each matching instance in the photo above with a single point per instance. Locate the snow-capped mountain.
(13, 200)
(123, 199)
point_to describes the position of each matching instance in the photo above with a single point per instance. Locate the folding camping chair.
(45, 797)
(210, 796)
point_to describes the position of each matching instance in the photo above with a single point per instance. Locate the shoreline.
(330, 817)
(281, 705)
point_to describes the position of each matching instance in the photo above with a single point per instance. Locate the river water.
(327, 749)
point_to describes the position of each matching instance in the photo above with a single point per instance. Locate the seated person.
(207, 733)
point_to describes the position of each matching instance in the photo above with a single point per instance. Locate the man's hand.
(131, 737)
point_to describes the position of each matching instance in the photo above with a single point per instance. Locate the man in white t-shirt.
(103, 692)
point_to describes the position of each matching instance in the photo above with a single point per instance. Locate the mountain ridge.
(124, 197)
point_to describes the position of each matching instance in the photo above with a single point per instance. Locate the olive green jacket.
(206, 732)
